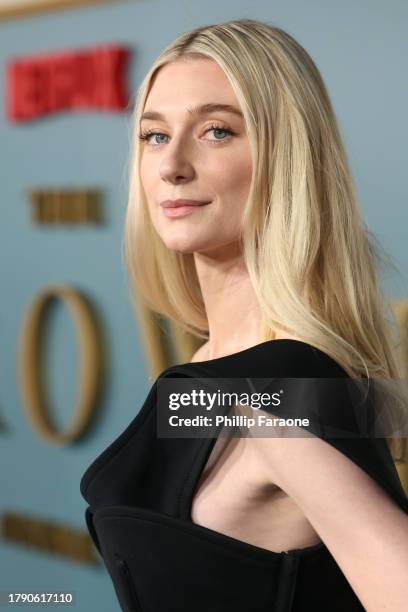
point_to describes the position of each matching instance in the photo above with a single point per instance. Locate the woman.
(243, 227)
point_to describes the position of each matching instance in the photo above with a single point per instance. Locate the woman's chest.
(234, 497)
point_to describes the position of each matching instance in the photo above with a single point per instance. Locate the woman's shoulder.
(284, 355)
(202, 353)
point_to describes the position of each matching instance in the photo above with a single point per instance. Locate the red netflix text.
(70, 80)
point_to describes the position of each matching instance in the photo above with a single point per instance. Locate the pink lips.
(180, 202)
(181, 207)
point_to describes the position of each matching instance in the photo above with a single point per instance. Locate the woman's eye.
(146, 136)
(219, 129)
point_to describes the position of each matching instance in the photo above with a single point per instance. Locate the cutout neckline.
(204, 453)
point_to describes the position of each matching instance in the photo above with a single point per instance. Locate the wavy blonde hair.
(308, 252)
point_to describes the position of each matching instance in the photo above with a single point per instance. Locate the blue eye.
(145, 136)
(219, 129)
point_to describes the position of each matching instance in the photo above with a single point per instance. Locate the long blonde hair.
(310, 257)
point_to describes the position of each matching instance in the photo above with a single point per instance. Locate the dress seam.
(287, 582)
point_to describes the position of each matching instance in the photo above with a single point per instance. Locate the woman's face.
(195, 156)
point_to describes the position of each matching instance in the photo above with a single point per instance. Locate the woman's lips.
(182, 202)
(181, 211)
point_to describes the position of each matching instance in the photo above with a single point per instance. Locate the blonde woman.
(243, 227)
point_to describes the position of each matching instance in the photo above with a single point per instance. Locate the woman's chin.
(182, 246)
(185, 246)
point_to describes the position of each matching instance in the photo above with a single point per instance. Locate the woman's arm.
(365, 531)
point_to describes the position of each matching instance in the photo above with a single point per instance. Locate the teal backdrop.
(361, 50)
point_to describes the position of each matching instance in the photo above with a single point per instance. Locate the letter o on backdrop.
(31, 371)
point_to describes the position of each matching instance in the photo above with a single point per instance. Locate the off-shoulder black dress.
(140, 491)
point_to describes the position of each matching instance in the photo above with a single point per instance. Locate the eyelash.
(143, 136)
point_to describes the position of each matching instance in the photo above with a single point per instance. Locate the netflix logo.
(67, 81)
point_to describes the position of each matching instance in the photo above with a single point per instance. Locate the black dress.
(140, 492)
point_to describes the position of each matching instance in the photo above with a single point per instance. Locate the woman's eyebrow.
(202, 109)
